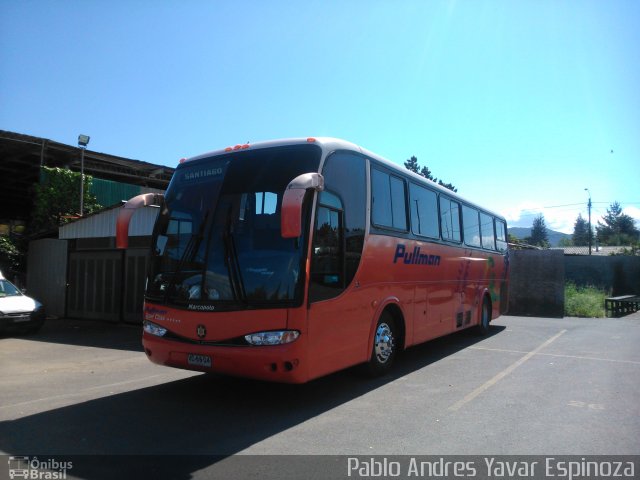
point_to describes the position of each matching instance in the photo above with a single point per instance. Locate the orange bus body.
(430, 288)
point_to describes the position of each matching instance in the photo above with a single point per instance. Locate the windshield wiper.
(190, 251)
(231, 259)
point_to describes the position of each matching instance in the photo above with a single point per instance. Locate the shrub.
(584, 301)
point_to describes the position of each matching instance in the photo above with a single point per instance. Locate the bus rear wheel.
(385, 345)
(485, 317)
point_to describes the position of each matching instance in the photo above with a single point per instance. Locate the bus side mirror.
(291, 212)
(126, 212)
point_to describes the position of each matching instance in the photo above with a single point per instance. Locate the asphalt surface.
(534, 386)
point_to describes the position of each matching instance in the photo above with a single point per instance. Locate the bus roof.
(326, 143)
(329, 144)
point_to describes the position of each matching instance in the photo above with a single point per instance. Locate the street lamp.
(83, 141)
(589, 208)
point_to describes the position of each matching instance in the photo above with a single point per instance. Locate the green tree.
(10, 256)
(57, 199)
(580, 232)
(618, 228)
(513, 239)
(413, 165)
(566, 242)
(539, 235)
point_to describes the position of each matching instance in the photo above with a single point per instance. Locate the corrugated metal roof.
(103, 224)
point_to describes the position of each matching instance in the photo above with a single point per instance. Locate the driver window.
(327, 266)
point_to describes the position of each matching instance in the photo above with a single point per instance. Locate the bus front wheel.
(385, 345)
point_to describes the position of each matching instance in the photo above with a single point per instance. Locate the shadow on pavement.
(202, 419)
(88, 333)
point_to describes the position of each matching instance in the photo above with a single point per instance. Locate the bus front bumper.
(279, 363)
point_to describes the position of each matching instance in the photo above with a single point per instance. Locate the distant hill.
(554, 237)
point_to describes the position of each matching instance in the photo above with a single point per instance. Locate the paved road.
(533, 386)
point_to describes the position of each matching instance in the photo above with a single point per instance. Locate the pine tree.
(581, 232)
(618, 228)
(412, 164)
(539, 235)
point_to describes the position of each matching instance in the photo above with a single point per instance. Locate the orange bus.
(289, 260)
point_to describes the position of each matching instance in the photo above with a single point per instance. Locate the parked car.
(17, 311)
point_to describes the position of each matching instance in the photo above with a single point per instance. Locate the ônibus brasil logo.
(34, 468)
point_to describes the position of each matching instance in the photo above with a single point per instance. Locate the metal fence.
(600, 251)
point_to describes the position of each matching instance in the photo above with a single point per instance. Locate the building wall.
(47, 274)
(103, 224)
(110, 193)
(84, 276)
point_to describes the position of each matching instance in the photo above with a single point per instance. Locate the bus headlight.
(272, 338)
(153, 329)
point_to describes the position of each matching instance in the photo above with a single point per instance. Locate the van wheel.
(485, 317)
(385, 345)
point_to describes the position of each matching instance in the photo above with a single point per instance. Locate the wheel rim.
(384, 345)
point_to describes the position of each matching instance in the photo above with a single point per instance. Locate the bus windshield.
(217, 243)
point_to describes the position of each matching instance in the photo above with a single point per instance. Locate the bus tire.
(385, 346)
(485, 318)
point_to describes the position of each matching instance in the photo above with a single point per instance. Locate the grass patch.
(584, 301)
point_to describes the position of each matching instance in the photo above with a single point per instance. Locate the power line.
(537, 210)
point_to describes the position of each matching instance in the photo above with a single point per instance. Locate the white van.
(17, 311)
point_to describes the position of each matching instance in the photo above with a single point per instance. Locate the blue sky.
(520, 104)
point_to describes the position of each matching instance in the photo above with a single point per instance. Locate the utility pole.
(589, 208)
(83, 141)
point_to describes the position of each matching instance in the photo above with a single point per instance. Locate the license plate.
(199, 360)
(24, 318)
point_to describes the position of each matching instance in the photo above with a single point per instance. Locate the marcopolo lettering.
(416, 257)
(202, 308)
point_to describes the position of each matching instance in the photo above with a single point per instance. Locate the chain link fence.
(583, 250)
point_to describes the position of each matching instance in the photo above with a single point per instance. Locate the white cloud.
(633, 212)
(559, 219)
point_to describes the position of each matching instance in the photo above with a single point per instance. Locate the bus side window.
(486, 227)
(501, 235)
(388, 198)
(450, 219)
(471, 226)
(424, 211)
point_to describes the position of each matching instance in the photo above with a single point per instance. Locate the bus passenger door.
(339, 320)
(334, 325)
